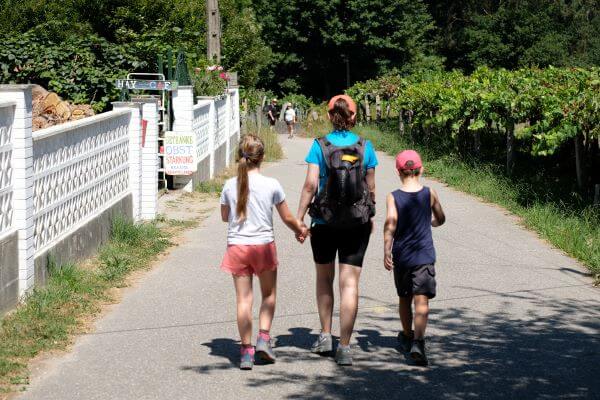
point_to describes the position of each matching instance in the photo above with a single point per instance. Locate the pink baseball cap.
(351, 103)
(410, 157)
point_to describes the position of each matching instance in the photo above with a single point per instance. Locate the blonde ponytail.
(251, 151)
(242, 189)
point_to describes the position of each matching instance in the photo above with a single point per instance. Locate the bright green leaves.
(551, 106)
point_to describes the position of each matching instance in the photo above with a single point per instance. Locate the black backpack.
(345, 200)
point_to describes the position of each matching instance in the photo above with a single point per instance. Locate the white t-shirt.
(257, 228)
(290, 114)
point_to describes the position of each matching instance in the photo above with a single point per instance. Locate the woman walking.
(340, 192)
(290, 119)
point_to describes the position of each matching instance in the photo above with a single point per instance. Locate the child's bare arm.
(288, 219)
(225, 212)
(438, 216)
(391, 220)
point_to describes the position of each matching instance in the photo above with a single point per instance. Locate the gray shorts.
(415, 280)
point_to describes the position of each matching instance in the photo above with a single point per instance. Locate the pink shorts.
(250, 259)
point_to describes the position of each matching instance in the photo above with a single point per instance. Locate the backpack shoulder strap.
(326, 147)
(361, 146)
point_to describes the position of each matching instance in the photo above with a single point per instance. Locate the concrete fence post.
(228, 130)
(135, 154)
(183, 120)
(149, 187)
(212, 117)
(22, 181)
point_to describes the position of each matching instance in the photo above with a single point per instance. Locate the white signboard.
(180, 153)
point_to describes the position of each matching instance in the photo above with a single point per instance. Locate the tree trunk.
(258, 118)
(579, 162)
(510, 147)
(401, 122)
(477, 143)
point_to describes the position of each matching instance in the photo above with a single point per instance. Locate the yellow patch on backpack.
(350, 158)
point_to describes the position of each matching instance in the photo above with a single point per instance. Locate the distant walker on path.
(290, 119)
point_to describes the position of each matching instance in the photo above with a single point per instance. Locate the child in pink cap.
(408, 249)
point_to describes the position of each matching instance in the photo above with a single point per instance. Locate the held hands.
(303, 233)
(388, 261)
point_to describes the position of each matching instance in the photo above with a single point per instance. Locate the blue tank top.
(413, 243)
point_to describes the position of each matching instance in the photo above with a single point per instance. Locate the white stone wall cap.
(145, 100)
(11, 87)
(72, 125)
(202, 103)
(8, 103)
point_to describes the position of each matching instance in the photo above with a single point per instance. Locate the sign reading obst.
(180, 153)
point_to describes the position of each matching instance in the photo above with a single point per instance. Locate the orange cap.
(351, 103)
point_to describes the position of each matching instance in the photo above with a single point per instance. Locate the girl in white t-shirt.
(290, 119)
(247, 205)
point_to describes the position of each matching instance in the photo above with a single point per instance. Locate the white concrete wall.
(55, 181)
(22, 181)
(7, 116)
(149, 158)
(80, 168)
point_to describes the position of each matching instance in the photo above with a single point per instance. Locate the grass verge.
(576, 232)
(273, 150)
(54, 313)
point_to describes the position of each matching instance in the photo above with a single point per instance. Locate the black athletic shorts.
(349, 243)
(415, 280)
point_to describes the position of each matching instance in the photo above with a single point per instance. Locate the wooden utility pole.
(213, 40)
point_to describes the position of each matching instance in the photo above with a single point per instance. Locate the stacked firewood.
(49, 109)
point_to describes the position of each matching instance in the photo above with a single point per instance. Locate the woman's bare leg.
(349, 277)
(325, 277)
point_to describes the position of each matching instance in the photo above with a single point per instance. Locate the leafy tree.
(313, 40)
(513, 33)
(243, 47)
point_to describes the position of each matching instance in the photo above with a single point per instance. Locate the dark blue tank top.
(413, 243)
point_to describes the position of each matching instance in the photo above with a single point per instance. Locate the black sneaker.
(405, 342)
(417, 352)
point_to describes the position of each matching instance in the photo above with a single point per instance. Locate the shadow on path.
(553, 352)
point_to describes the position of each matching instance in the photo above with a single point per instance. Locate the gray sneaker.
(264, 350)
(323, 344)
(417, 353)
(405, 342)
(343, 355)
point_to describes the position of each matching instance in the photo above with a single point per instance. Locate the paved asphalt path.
(514, 318)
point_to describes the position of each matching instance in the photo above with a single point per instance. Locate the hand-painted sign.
(180, 153)
(142, 84)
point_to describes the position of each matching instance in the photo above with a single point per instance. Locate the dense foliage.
(294, 46)
(313, 40)
(514, 33)
(77, 48)
(542, 109)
